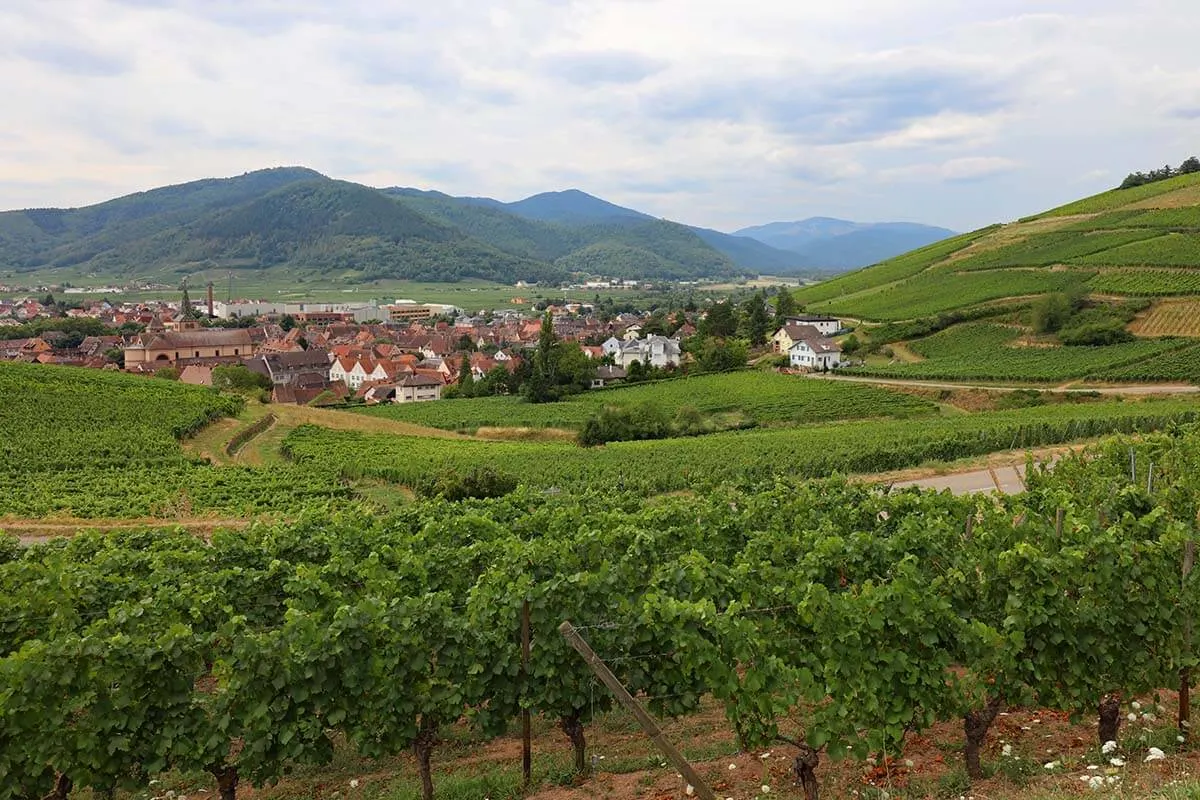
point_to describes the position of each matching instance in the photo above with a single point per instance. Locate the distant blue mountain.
(825, 243)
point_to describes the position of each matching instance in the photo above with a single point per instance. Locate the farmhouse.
(793, 330)
(813, 351)
(168, 347)
(418, 389)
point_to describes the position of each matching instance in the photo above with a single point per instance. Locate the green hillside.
(617, 246)
(300, 220)
(1072, 287)
(1137, 242)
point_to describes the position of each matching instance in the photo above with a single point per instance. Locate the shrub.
(480, 483)
(1103, 332)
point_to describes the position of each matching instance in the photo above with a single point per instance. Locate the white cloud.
(700, 110)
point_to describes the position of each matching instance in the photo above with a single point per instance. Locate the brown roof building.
(172, 346)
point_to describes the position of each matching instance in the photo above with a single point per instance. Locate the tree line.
(1190, 165)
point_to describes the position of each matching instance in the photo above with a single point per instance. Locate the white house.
(653, 351)
(815, 353)
(612, 347)
(828, 326)
(793, 331)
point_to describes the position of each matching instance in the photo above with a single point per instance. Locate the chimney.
(211, 315)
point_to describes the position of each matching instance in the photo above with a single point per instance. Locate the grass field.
(765, 397)
(986, 352)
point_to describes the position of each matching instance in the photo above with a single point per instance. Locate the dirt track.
(1132, 390)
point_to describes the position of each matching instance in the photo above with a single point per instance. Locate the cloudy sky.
(712, 112)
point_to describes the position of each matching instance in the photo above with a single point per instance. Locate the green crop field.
(1146, 282)
(934, 292)
(1046, 249)
(894, 269)
(1170, 250)
(87, 443)
(1176, 365)
(1118, 198)
(1135, 230)
(1181, 219)
(765, 397)
(740, 458)
(985, 352)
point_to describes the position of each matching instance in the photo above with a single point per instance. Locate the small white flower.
(908, 762)
(1135, 705)
(1180, 739)
(1052, 765)
(1117, 762)
(765, 756)
(765, 789)
(354, 783)
(1131, 717)
(1148, 717)
(1006, 751)
(1109, 747)
(1111, 779)
(1092, 767)
(732, 767)
(1154, 754)
(690, 790)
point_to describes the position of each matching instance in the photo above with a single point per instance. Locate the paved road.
(1008, 480)
(1133, 389)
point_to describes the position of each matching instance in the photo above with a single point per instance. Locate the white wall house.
(815, 353)
(826, 325)
(653, 351)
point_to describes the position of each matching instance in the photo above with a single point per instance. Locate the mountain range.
(300, 220)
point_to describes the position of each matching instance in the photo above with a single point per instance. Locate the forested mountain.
(835, 244)
(557, 224)
(297, 218)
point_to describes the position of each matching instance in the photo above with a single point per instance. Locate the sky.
(710, 112)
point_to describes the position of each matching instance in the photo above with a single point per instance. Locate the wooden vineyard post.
(526, 727)
(1185, 674)
(632, 706)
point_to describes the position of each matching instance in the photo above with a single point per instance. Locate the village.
(403, 352)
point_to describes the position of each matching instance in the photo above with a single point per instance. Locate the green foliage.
(1050, 312)
(239, 378)
(559, 368)
(1095, 334)
(481, 482)
(646, 420)
(719, 355)
(721, 320)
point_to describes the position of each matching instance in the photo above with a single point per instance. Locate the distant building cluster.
(328, 352)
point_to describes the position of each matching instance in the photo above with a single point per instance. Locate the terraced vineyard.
(1146, 282)
(1120, 243)
(936, 291)
(739, 458)
(1170, 318)
(1177, 365)
(983, 351)
(86, 443)
(765, 397)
